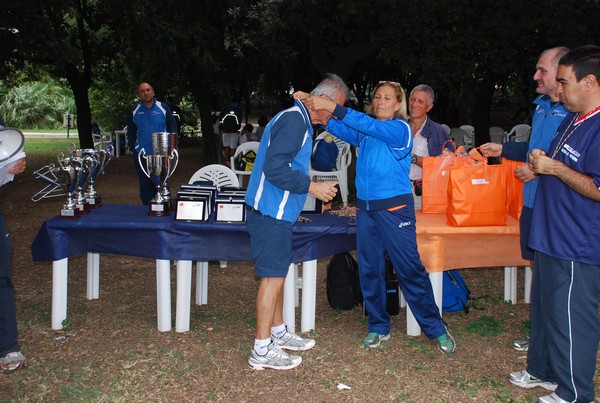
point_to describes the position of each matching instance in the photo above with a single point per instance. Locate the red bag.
(477, 194)
(436, 171)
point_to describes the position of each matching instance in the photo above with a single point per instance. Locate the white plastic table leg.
(437, 284)
(527, 291)
(60, 275)
(163, 294)
(402, 300)
(309, 295)
(436, 279)
(184, 295)
(289, 306)
(510, 284)
(201, 283)
(297, 286)
(93, 275)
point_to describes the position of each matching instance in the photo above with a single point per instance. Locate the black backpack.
(343, 284)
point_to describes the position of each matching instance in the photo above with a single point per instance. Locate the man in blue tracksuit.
(148, 116)
(385, 217)
(548, 115)
(275, 196)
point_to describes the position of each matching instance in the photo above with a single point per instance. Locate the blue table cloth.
(128, 230)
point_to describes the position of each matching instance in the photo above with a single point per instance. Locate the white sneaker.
(293, 342)
(553, 398)
(274, 359)
(524, 380)
(13, 361)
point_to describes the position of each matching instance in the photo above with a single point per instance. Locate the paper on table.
(6, 165)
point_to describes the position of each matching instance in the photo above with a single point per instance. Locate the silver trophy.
(67, 172)
(100, 159)
(159, 167)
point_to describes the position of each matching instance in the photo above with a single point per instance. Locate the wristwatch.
(413, 159)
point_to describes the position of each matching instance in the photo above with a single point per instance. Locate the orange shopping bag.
(514, 189)
(436, 171)
(477, 194)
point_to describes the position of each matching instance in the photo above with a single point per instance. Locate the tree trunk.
(80, 84)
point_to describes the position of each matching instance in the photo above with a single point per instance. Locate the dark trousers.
(565, 328)
(394, 232)
(8, 312)
(147, 188)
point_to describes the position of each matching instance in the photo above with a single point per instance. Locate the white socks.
(278, 331)
(261, 347)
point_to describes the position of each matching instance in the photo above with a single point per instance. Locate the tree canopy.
(214, 52)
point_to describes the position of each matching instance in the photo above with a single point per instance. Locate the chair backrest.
(520, 132)
(344, 155)
(446, 128)
(458, 135)
(245, 147)
(220, 175)
(497, 134)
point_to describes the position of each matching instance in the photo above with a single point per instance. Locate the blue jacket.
(546, 119)
(279, 181)
(383, 162)
(144, 121)
(436, 137)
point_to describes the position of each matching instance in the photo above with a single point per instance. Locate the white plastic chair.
(497, 134)
(446, 128)
(469, 140)
(242, 149)
(220, 176)
(340, 175)
(520, 132)
(458, 135)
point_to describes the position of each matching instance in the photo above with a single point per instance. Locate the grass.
(48, 147)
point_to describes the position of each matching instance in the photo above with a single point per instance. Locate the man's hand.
(18, 167)
(491, 149)
(525, 174)
(300, 95)
(324, 191)
(540, 163)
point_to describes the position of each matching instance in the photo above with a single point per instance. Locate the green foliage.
(39, 104)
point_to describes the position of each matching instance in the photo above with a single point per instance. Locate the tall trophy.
(66, 173)
(101, 158)
(159, 167)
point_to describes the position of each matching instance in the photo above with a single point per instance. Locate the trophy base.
(83, 208)
(69, 214)
(158, 209)
(94, 202)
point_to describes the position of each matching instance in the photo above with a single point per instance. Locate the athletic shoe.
(446, 343)
(13, 361)
(524, 380)
(375, 339)
(553, 398)
(521, 345)
(274, 359)
(293, 342)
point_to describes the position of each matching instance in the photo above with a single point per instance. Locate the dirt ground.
(112, 351)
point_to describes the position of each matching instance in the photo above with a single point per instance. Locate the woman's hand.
(18, 167)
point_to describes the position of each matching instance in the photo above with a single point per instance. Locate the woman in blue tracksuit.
(385, 210)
